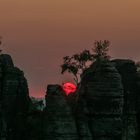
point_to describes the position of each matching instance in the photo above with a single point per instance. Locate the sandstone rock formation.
(14, 99)
(101, 101)
(106, 105)
(59, 120)
(130, 81)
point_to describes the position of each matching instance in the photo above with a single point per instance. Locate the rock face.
(59, 120)
(14, 99)
(106, 108)
(138, 104)
(101, 102)
(130, 80)
(106, 105)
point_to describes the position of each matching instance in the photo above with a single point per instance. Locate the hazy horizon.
(38, 33)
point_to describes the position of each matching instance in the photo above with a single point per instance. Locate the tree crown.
(78, 62)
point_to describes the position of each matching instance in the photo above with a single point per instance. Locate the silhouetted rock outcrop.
(14, 99)
(59, 120)
(106, 105)
(130, 80)
(101, 101)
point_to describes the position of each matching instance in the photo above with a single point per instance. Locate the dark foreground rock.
(14, 100)
(59, 120)
(106, 105)
(130, 81)
(101, 102)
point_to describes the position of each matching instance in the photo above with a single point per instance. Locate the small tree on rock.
(77, 63)
(101, 49)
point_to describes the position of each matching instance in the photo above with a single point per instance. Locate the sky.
(39, 33)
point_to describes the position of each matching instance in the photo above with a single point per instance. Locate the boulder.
(14, 99)
(100, 102)
(130, 80)
(59, 120)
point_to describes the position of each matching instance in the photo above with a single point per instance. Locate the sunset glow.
(69, 88)
(39, 33)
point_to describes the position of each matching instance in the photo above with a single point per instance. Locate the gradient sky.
(38, 33)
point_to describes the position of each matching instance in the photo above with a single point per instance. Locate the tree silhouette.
(101, 49)
(77, 63)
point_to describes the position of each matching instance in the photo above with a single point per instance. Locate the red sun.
(69, 88)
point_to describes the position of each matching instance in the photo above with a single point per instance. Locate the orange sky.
(38, 33)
